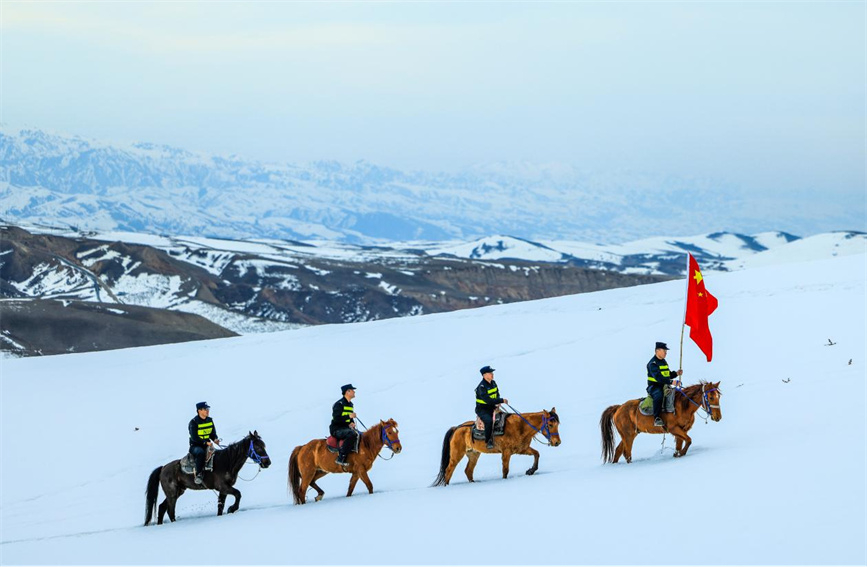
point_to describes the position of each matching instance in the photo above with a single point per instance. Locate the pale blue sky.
(768, 96)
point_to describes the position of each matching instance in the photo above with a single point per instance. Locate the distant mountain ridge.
(65, 180)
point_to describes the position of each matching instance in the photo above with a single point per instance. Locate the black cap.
(346, 387)
(662, 345)
(486, 369)
(202, 405)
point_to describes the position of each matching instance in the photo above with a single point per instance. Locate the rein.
(385, 441)
(544, 429)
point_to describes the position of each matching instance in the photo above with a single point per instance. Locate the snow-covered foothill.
(780, 480)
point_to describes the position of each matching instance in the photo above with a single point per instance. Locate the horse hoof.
(530, 472)
(318, 498)
(677, 455)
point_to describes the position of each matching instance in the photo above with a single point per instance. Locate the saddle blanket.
(645, 405)
(188, 463)
(499, 426)
(331, 444)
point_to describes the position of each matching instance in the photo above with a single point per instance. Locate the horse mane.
(689, 392)
(368, 438)
(232, 453)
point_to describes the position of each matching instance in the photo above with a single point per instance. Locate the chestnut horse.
(630, 421)
(308, 463)
(519, 431)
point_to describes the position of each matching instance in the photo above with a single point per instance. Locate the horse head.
(551, 426)
(256, 450)
(389, 435)
(711, 396)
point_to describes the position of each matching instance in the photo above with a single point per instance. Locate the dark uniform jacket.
(658, 373)
(201, 430)
(340, 415)
(487, 397)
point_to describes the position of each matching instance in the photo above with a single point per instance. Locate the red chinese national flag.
(699, 305)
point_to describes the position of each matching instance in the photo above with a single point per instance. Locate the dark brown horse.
(519, 432)
(629, 421)
(308, 463)
(227, 464)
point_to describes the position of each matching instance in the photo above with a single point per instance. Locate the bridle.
(545, 429)
(252, 454)
(388, 442)
(705, 401)
(384, 438)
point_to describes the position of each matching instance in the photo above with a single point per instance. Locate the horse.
(630, 421)
(308, 463)
(227, 464)
(516, 439)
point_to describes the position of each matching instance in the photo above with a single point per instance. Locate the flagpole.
(683, 324)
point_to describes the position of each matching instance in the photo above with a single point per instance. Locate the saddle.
(645, 405)
(499, 426)
(332, 445)
(188, 463)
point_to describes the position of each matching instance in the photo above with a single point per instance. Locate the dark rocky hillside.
(276, 285)
(48, 326)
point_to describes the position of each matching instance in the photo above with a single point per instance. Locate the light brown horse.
(629, 421)
(308, 463)
(519, 431)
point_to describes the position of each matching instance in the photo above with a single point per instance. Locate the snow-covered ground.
(780, 480)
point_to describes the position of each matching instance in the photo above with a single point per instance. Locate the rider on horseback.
(202, 432)
(343, 423)
(659, 376)
(487, 400)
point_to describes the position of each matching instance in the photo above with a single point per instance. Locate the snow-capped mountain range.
(265, 285)
(65, 180)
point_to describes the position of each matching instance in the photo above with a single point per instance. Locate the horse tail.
(294, 480)
(446, 457)
(606, 424)
(151, 495)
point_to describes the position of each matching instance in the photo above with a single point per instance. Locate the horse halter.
(546, 429)
(257, 458)
(705, 401)
(388, 441)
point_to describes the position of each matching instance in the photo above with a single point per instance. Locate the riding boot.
(198, 480)
(657, 421)
(342, 455)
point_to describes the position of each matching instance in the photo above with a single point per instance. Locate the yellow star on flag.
(697, 277)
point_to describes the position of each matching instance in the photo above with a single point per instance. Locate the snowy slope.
(780, 480)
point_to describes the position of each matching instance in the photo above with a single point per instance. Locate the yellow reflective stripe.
(663, 367)
(493, 391)
(665, 373)
(651, 379)
(481, 401)
(205, 429)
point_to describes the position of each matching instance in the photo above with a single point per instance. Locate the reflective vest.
(664, 370)
(493, 394)
(205, 429)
